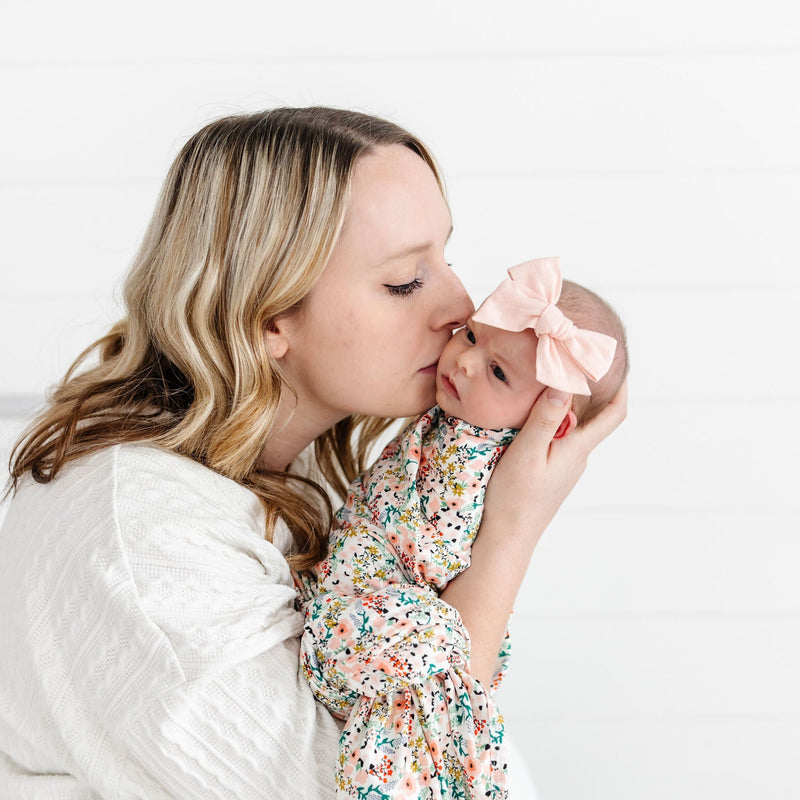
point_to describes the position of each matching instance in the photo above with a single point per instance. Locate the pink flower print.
(401, 703)
(472, 767)
(408, 788)
(454, 503)
(361, 778)
(403, 626)
(400, 725)
(344, 629)
(382, 665)
(378, 624)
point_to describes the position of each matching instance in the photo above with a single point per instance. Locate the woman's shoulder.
(139, 492)
(145, 473)
(175, 503)
(188, 544)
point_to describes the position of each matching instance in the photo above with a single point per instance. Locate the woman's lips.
(430, 369)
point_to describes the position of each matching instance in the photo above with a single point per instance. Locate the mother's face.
(368, 336)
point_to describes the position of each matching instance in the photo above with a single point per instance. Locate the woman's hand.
(529, 484)
(537, 472)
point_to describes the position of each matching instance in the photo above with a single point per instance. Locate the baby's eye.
(470, 336)
(499, 374)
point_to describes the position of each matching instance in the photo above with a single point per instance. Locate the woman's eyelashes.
(470, 335)
(403, 289)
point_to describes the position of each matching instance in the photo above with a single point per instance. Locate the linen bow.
(565, 354)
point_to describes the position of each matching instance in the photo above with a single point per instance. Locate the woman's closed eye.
(403, 289)
(470, 335)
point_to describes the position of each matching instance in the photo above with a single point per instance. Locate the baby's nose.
(466, 362)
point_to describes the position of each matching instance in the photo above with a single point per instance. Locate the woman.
(291, 289)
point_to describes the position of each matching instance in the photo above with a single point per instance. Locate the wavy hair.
(247, 219)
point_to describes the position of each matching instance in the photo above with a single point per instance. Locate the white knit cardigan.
(148, 641)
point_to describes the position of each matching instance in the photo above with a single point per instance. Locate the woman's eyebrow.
(414, 249)
(409, 251)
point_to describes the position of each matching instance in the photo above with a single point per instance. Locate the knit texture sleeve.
(151, 641)
(243, 723)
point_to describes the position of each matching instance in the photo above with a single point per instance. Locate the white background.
(656, 149)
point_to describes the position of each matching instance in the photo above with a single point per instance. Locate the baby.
(420, 725)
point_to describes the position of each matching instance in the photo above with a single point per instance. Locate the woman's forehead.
(395, 202)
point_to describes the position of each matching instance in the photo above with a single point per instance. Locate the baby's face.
(487, 376)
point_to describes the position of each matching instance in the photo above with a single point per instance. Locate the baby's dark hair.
(590, 312)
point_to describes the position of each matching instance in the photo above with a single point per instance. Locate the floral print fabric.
(380, 649)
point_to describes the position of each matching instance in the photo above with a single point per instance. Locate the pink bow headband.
(565, 354)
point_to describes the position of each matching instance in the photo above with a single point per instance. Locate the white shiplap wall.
(656, 150)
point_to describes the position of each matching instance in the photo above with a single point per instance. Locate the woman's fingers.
(547, 414)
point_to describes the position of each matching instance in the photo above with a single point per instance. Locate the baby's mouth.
(451, 387)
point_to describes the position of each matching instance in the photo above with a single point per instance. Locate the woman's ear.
(275, 334)
(567, 424)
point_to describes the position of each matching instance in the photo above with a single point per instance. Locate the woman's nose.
(455, 304)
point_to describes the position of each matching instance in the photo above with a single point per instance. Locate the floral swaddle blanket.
(380, 649)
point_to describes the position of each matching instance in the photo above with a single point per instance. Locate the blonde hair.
(589, 311)
(247, 219)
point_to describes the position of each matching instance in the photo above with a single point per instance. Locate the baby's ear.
(567, 424)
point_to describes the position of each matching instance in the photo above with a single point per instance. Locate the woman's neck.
(296, 426)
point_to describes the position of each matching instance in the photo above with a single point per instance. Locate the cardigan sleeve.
(151, 641)
(242, 723)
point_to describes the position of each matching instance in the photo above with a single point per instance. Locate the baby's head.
(487, 374)
(590, 312)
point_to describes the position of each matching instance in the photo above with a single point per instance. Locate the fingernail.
(556, 397)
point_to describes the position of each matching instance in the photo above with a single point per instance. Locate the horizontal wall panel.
(64, 325)
(625, 668)
(739, 456)
(78, 123)
(654, 759)
(10, 430)
(652, 563)
(359, 28)
(73, 238)
(645, 231)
